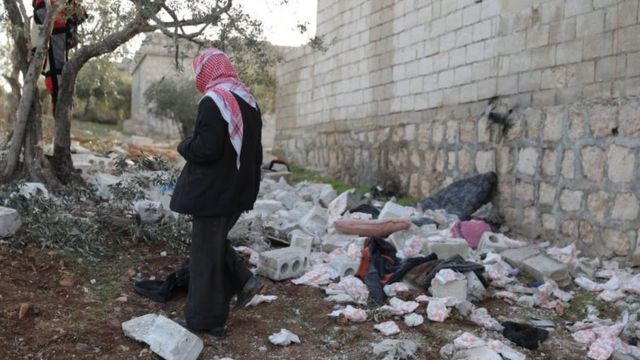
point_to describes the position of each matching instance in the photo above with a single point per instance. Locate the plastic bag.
(284, 338)
(259, 299)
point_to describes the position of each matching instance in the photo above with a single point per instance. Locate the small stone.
(25, 308)
(164, 253)
(67, 280)
(122, 299)
(9, 222)
(93, 281)
(165, 337)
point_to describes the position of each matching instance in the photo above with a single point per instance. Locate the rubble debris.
(437, 309)
(102, 182)
(378, 228)
(396, 349)
(165, 337)
(392, 210)
(395, 288)
(490, 214)
(267, 207)
(31, 189)
(542, 267)
(463, 197)
(492, 242)
(344, 265)
(524, 335)
(282, 264)
(259, 299)
(351, 286)
(449, 284)
(335, 241)
(448, 248)
(477, 353)
(346, 201)
(315, 221)
(284, 338)
(9, 222)
(319, 274)
(413, 320)
(515, 257)
(475, 289)
(298, 239)
(482, 318)
(387, 328)
(400, 307)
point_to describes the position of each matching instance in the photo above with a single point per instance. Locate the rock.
(9, 222)
(515, 257)
(396, 349)
(395, 211)
(413, 320)
(346, 201)
(541, 267)
(165, 337)
(447, 351)
(267, 207)
(278, 176)
(475, 290)
(281, 264)
(464, 308)
(477, 353)
(287, 198)
(489, 214)
(25, 308)
(30, 189)
(327, 195)
(150, 212)
(456, 289)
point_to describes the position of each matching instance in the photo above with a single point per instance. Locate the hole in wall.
(614, 131)
(284, 268)
(296, 266)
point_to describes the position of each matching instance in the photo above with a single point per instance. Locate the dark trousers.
(216, 273)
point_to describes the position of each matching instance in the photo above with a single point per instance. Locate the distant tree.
(174, 98)
(103, 91)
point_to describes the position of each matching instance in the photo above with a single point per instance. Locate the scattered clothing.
(422, 274)
(524, 335)
(471, 231)
(162, 291)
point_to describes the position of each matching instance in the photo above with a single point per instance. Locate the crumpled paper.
(413, 247)
(567, 254)
(413, 320)
(253, 255)
(320, 274)
(351, 314)
(611, 295)
(259, 299)
(400, 307)
(468, 341)
(482, 318)
(588, 284)
(602, 348)
(284, 338)
(395, 288)
(351, 286)
(387, 328)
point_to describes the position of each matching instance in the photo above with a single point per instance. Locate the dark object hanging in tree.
(524, 335)
(463, 197)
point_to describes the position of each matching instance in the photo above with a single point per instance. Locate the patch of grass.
(107, 290)
(582, 298)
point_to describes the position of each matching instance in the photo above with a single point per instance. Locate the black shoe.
(249, 290)
(217, 332)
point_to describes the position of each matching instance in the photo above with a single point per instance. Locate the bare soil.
(72, 317)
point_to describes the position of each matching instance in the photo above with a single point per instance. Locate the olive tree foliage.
(112, 23)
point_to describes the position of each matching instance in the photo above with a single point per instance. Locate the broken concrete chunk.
(165, 337)
(448, 248)
(283, 264)
(315, 221)
(287, 198)
(393, 210)
(9, 222)
(344, 265)
(492, 242)
(327, 195)
(278, 176)
(475, 290)
(396, 349)
(515, 257)
(30, 189)
(267, 207)
(541, 267)
(346, 201)
(477, 353)
(301, 240)
(336, 241)
(456, 289)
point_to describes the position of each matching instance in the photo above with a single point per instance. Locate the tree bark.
(29, 92)
(37, 166)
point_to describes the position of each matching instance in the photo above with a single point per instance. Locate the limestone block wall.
(402, 91)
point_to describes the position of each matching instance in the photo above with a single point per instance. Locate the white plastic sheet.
(320, 274)
(259, 299)
(351, 314)
(284, 338)
(400, 307)
(387, 328)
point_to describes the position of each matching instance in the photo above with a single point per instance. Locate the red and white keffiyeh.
(217, 79)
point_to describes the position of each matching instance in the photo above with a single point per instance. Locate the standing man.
(220, 181)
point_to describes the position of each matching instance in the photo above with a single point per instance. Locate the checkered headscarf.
(217, 79)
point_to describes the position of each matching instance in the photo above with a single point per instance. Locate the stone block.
(282, 264)
(625, 207)
(288, 198)
(570, 200)
(344, 265)
(299, 239)
(541, 267)
(593, 159)
(448, 248)
(165, 337)
(597, 204)
(568, 164)
(515, 257)
(630, 115)
(617, 241)
(528, 161)
(9, 222)
(315, 221)
(485, 161)
(456, 289)
(336, 240)
(393, 210)
(621, 162)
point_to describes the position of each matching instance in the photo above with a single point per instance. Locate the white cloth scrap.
(387, 328)
(259, 299)
(351, 314)
(284, 338)
(320, 274)
(400, 307)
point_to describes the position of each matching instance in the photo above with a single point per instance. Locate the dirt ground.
(76, 306)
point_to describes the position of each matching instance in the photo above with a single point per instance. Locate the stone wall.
(403, 89)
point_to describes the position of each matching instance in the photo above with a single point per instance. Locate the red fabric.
(61, 20)
(48, 83)
(471, 231)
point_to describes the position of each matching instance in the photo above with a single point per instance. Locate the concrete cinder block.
(165, 337)
(344, 265)
(456, 289)
(541, 267)
(393, 210)
(9, 222)
(335, 241)
(315, 221)
(267, 207)
(448, 248)
(282, 264)
(515, 257)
